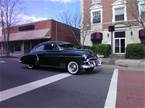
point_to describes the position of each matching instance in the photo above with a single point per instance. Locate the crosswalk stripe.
(112, 93)
(1, 61)
(10, 93)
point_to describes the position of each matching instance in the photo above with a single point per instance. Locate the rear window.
(67, 46)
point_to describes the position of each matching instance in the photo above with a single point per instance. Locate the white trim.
(94, 9)
(119, 42)
(112, 93)
(119, 4)
(95, 1)
(140, 2)
(119, 45)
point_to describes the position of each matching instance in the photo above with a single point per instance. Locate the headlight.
(85, 56)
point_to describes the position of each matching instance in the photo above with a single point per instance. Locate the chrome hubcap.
(73, 67)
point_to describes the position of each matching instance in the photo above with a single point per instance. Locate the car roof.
(55, 42)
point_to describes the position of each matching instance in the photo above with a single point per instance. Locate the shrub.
(135, 51)
(102, 49)
(144, 50)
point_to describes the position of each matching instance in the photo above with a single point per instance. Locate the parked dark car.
(61, 54)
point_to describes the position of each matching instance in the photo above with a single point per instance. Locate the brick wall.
(107, 11)
(61, 31)
(64, 32)
(86, 11)
(38, 25)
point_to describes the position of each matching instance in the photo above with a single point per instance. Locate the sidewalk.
(131, 63)
(130, 90)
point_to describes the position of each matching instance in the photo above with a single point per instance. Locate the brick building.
(24, 37)
(120, 15)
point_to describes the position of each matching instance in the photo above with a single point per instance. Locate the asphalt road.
(87, 90)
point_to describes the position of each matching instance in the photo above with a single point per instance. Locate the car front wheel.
(73, 67)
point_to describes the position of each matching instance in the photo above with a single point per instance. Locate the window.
(119, 14)
(96, 17)
(119, 8)
(40, 48)
(119, 34)
(50, 47)
(66, 46)
(142, 9)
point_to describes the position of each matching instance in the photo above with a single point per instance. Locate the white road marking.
(111, 97)
(10, 93)
(1, 61)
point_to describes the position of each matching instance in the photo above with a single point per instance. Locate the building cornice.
(119, 2)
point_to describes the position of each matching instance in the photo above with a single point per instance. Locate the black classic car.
(61, 54)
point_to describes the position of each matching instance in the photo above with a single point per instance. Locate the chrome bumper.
(91, 64)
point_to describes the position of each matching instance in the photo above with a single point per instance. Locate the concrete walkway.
(131, 63)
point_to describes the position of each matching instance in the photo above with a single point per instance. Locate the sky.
(36, 10)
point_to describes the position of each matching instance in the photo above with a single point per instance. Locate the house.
(24, 37)
(113, 22)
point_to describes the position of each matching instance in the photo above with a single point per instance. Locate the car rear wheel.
(30, 66)
(34, 63)
(73, 67)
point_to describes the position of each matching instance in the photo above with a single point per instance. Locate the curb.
(125, 62)
(131, 63)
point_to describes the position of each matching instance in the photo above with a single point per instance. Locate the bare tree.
(133, 8)
(85, 28)
(8, 11)
(70, 18)
(73, 20)
(84, 32)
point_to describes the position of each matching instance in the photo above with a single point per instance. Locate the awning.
(29, 35)
(97, 36)
(142, 33)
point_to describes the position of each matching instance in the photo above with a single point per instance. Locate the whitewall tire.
(30, 66)
(73, 67)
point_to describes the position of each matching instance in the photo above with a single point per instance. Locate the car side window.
(40, 48)
(50, 47)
